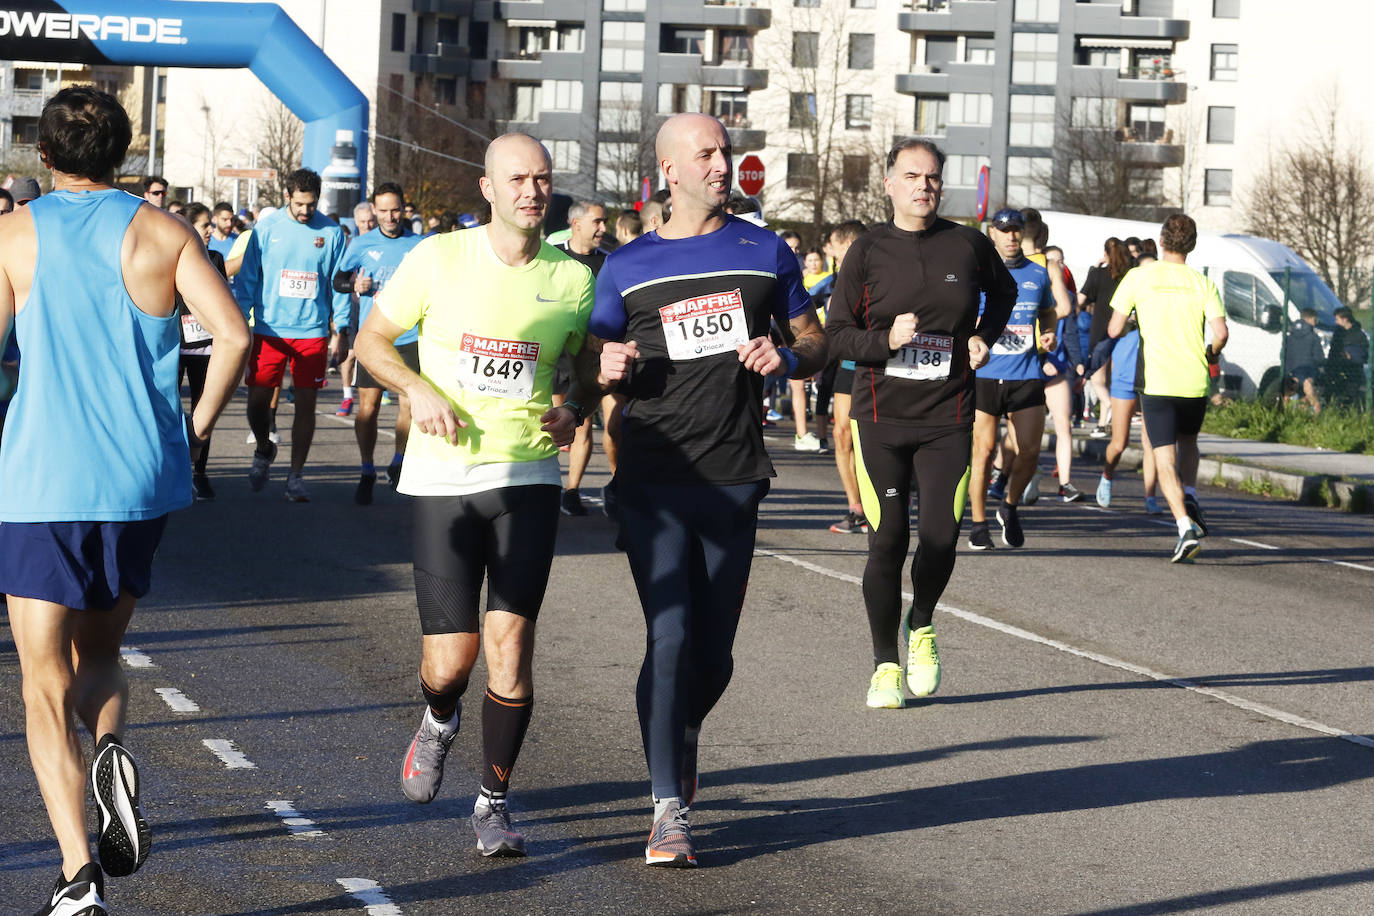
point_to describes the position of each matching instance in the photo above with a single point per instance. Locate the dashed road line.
(178, 701)
(369, 893)
(135, 657)
(297, 823)
(231, 756)
(1230, 698)
(1253, 544)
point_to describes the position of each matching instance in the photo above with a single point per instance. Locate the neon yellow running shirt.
(1172, 303)
(490, 335)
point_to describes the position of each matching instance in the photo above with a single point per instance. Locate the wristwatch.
(578, 411)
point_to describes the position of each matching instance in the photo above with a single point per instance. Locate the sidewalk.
(1308, 474)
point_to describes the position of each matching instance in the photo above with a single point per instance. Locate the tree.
(1098, 174)
(280, 139)
(432, 146)
(1313, 195)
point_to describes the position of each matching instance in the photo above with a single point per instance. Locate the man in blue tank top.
(285, 282)
(84, 505)
(368, 264)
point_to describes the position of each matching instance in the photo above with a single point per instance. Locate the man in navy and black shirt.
(682, 324)
(905, 308)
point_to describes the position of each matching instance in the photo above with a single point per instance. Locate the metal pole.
(1283, 335)
(152, 133)
(1369, 361)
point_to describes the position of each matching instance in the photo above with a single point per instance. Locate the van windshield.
(1306, 290)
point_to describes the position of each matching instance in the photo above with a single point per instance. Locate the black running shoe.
(124, 835)
(979, 538)
(393, 474)
(200, 483)
(1190, 505)
(571, 504)
(1012, 535)
(363, 494)
(610, 502)
(81, 896)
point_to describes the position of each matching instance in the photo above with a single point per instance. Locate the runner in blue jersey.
(364, 220)
(222, 234)
(285, 282)
(681, 322)
(368, 264)
(96, 454)
(1011, 384)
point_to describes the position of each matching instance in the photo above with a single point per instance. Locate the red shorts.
(308, 356)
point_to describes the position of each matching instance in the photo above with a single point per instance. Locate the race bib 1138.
(926, 358)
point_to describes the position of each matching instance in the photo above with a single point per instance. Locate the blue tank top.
(95, 431)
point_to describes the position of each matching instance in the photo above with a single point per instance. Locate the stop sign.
(751, 174)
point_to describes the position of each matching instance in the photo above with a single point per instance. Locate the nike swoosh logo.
(747, 242)
(539, 298)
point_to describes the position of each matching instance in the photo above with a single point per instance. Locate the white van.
(1249, 271)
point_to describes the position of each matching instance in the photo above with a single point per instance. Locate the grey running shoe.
(979, 538)
(262, 466)
(295, 488)
(1188, 546)
(670, 842)
(494, 834)
(124, 835)
(423, 768)
(1031, 494)
(1190, 505)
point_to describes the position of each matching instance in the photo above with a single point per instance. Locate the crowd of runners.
(920, 337)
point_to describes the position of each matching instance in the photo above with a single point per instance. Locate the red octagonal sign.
(750, 174)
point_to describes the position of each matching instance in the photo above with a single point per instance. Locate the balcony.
(960, 16)
(745, 139)
(690, 68)
(1160, 153)
(541, 66)
(443, 7)
(927, 82)
(537, 9)
(1107, 19)
(944, 78)
(1137, 84)
(446, 58)
(24, 103)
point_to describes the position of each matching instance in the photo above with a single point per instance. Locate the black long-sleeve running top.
(939, 274)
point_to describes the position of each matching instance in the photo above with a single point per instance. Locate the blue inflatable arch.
(176, 33)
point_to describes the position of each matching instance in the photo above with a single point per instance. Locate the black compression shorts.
(1001, 397)
(1166, 418)
(506, 535)
(844, 381)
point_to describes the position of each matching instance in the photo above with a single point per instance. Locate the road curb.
(1314, 489)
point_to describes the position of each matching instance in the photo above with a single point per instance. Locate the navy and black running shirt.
(695, 413)
(938, 274)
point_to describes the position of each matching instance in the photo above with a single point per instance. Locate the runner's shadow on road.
(1259, 768)
(1193, 903)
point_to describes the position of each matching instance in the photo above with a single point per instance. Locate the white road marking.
(177, 700)
(1344, 563)
(971, 617)
(297, 823)
(233, 758)
(369, 893)
(135, 657)
(1253, 544)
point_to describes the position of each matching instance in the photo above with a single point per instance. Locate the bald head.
(694, 154)
(684, 128)
(517, 146)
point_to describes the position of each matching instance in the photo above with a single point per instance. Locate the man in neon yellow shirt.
(1174, 306)
(496, 306)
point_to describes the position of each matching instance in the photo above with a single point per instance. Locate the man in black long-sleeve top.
(905, 307)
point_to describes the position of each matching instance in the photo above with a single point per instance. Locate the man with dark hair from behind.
(285, 282)
(85, 504)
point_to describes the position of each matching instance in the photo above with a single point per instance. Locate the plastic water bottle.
(341, 182)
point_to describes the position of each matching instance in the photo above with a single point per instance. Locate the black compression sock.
(504, 723)
(442, 705)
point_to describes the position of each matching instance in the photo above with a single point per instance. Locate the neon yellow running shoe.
(922, 662)
(885, 688)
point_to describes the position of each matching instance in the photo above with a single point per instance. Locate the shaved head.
(678, 129)
(507, 143)
(694, 154)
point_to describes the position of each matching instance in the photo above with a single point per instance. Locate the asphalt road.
(1113, 735)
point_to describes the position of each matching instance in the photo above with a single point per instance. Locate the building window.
(26, 131)
(1093, 111)
(932, 115)
(566, 154)
(446, 31)
(562, 95)
(940, 51)
(1147, 122)
(622, 46)
(1217, 189)
(970, 108)
(1225, 61)
(1099, 57)
(618, 168)
(1036, 11)
(524, 102)
(802, 111)
(398, 31)
(980, 50)
(962, 171)
(1032, 120)
(731, 107)
(1225, 9)
(677, 98)
(863, 4)
(858, 112)
(623, 6)
(569, 37)
(682, 41)
(805, 48)
(446, 90)
(1027, 179)
(807, 4)
(860, 52)
(620, 107)
(858, 172)
(801, 170)
(735, 46)
(1221, 125)
(1034, 57)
